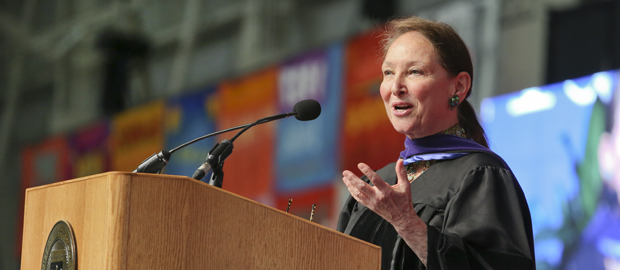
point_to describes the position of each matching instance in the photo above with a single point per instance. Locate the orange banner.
(135, 135)
(249, 171)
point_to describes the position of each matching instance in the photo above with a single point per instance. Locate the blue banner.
(187, 118)
(306, 152)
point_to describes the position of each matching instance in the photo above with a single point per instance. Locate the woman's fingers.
(393, 203)
(375, 179)
(357, 187)
(401, 174)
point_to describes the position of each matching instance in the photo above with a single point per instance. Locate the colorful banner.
(46, 163)
(249, 170)
(136, 134)
(307, 152)
(89, 149)
(187, 118)
(368, 135)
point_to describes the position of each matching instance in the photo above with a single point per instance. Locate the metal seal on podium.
(60, 253)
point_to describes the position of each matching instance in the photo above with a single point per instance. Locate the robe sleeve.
(345, 214)
(487, 225)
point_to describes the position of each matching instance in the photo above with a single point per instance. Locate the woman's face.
(416, 88)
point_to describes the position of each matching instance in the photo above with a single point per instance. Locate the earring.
(454, 102)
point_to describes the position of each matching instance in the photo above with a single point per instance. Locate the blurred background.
(90, 86)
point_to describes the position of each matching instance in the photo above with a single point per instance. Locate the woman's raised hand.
(393, 203)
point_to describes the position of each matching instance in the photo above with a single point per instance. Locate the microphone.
(307, 110)
(304, 110)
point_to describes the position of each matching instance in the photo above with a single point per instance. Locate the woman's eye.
(387, 72)
(414, 71)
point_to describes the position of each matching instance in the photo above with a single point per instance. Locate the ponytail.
(469, 121)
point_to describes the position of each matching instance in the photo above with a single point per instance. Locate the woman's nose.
(399, 87)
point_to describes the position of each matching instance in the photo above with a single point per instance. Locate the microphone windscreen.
(307, 110)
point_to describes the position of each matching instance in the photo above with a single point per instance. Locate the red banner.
(301, 205)
(368, 135)
(46, 163)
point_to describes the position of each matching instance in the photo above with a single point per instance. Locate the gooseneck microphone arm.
(304, 110)
(156, 162)
(207, 136)
(262, 121)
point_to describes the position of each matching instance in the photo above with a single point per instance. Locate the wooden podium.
(145, 221)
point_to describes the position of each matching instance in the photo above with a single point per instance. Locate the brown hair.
(453, 56)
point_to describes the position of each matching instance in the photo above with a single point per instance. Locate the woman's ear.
(462, 83)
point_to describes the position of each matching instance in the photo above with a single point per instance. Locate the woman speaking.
(448, 202)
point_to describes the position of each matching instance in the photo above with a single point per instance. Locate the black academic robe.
(475, 211)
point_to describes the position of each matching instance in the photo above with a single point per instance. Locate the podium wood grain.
(142, 221)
